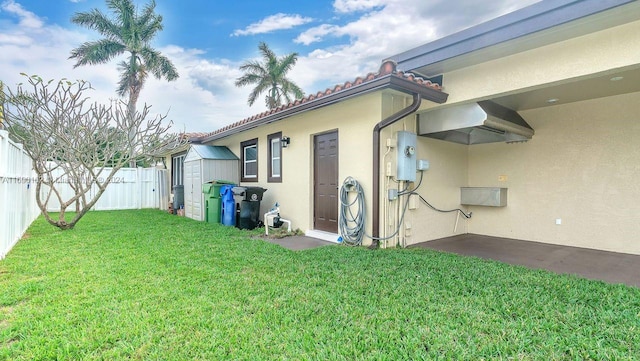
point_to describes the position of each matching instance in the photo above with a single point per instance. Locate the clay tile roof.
(388, 68)
(191, 135)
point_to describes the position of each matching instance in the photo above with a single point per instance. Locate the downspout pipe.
(412, 108)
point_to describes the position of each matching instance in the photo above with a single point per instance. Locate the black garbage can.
(178, 198)
(249, 217)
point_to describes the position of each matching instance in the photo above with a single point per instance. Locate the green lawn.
(150, 286)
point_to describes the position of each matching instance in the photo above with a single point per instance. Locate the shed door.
(325, 182)
(192, 191)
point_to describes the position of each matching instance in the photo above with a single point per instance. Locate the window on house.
(275, 157)
(177, 170)
(249, 160)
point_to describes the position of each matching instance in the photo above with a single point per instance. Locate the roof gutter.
(412, 108)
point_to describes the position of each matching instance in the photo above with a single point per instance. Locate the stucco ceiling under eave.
(596, 86)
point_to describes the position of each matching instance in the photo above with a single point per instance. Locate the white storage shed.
(202, 164)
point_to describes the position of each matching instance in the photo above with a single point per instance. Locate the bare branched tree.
(75, 143)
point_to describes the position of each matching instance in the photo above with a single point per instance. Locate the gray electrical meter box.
(406, 156)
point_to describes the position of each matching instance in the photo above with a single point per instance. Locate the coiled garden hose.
(352, 212)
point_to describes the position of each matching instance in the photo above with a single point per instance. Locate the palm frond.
(248, 79)
(148, 23)
(97, 21)
(254, 67)
(159, 65)
(259, 89)
(267, 53)
(270, 77)
(132, 77)
(96, 52)
(124, 11)
(286, 63)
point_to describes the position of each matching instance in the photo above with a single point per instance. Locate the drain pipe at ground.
(417, 100)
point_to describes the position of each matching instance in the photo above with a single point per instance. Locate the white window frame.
(244, 146)
(276, 144)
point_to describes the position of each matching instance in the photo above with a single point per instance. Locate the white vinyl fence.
(18, 206)
(132, 188)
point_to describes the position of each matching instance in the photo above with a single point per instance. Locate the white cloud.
(15, 39)
(272, 23)
(316, 34)
(348, 6)
(204, 97)
(389, 28)
(27, 18)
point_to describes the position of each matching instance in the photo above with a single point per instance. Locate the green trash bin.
(211, 191)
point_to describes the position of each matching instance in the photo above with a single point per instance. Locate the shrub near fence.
(18, 206)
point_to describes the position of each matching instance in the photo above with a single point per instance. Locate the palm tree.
(128, 32)
(270, 77)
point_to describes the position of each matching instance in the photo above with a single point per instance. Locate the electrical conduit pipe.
(417, 100)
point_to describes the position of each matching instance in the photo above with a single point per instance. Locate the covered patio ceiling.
(594, 86)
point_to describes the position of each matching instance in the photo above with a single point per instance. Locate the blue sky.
(208, 40)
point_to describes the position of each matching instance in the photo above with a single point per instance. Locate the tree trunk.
(131, 113)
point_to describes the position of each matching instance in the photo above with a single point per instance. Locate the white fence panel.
(18, 206)
(131, 188)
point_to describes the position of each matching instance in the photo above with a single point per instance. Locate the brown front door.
(325, 182)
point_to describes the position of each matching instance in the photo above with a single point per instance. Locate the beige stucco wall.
(354, 119)
(581, 167)
(440, 187)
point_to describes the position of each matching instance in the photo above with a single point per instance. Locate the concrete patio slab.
(593, 264)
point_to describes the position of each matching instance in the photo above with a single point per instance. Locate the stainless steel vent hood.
(476, 123)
